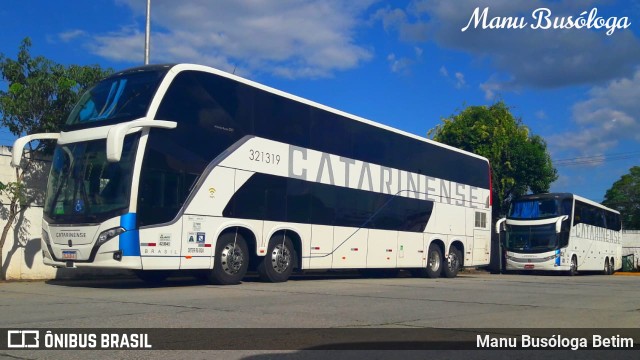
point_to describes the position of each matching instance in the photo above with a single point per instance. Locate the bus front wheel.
(231, 260)
(573, 270)
(278, 264)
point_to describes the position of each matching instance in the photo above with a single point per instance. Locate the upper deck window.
(539, 208)
(117, 98)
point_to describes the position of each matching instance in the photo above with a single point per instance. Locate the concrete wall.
(631, 245)
(22, 255)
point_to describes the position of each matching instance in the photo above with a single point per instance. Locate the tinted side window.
(281, 119)
(613, 221)
(212, 113)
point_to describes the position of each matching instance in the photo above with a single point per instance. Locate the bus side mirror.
(115, 137)
(559, 223)
(499, 225)
(18, 145)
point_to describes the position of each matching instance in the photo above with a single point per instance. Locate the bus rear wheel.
(612, 267)
(434, 261)
(278, 264)
(450, 270)
(607, 267)
(231, 260)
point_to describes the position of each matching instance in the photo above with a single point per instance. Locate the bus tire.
(573, 270)
(154, 277)
(451, 268)
(231, 260)
(278, 264)
(612, 267)
(607, 267)
(434, 262)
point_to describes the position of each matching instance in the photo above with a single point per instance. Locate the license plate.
(529, 266)
(69, 254)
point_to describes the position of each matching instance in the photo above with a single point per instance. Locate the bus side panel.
(160, 247)
(452, 218)
(321, 247)
(216, 191)
(351, 248)
(198, 242)
(381, 249)
(481, 247)
(410, 250)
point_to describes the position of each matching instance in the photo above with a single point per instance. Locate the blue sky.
(406, 64)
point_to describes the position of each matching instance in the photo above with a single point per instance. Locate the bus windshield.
(539, 209)
(118, 98)
(531, 239)
(83, 187)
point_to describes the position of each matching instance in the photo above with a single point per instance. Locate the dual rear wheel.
(232, 257)
(609, 268)
(438, 266)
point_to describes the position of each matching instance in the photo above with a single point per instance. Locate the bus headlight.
(109, 234)
(552, 257)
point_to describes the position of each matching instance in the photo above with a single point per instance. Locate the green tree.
(624, 196)
(519, 160)
(38, 97)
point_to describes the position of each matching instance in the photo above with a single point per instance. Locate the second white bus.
(562, 232)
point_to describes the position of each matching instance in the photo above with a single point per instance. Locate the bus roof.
(564, 196)
(176, 68)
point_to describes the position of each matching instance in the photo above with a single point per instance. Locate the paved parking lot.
(473, 300)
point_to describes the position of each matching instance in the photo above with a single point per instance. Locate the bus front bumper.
(108, 255)
(542, 262)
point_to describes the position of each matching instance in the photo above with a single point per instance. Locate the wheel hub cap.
(280, 258)
(232, 259)
(434, 261)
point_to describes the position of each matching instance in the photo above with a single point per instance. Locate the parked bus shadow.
(131, 282)
(126, 280)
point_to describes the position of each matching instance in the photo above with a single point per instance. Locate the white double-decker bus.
(562, 232)
(185, 167)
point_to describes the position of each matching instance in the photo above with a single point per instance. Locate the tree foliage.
(41, 93)
(624, 196)
(519, 160)
(38, 97)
